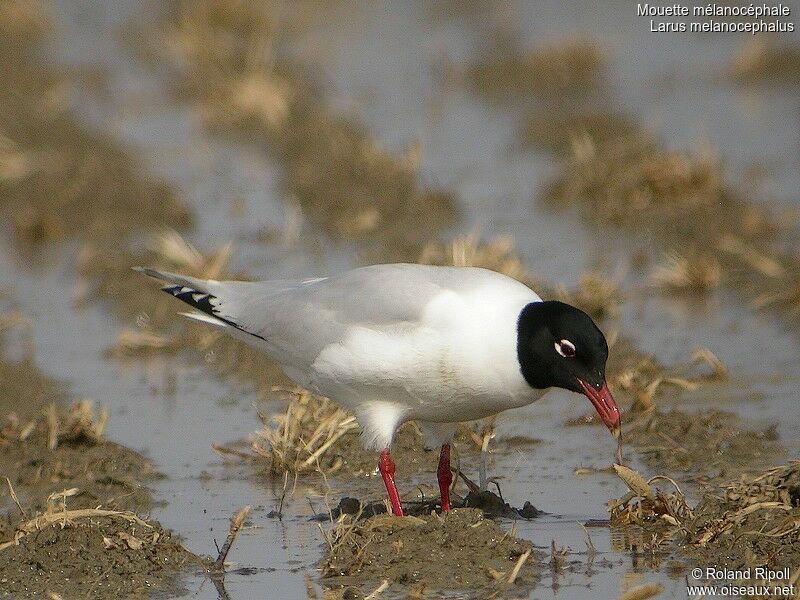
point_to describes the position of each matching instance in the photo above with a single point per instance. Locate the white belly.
(461, 366)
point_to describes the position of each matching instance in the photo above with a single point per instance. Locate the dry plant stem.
(236, 525)
(14, 497)
(52, 426)
(379, 590)
(642, 592)
(517, 567)
(226, 451)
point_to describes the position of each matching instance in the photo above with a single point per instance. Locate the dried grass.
(58, 514)
(173, 248)
(765, 506)
(300, 439)
(681, 200)
(697, 274)
(646, 506)
(133, 342)
(81, 425)
(16, 164)
(642, 592)
(749, 255)
(751, 521)
(705, 356)
(570, 65)
(228, 49)
(557, 132)
(764, 59)
(344, 180)
(597, 294)
(469, 251)
(786, 299)
(619, 180)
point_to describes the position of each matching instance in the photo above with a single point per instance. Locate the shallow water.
(380, 61)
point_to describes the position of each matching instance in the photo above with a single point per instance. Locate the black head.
(559, 345)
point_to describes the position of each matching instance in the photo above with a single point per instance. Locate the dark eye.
(565, 348)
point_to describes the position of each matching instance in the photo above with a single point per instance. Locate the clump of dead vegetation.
(470, 251)
(762, 59)
(120, 552)
(80, 425)
(458, 550)
(752, 521)
(557, 131)
(298, 440)
(644, 505)
(598, 294)
(562, 68)
(696, 274)
(54, 171)
(313, 435)
(755, 520)
(231, 63)
(619, 181)
(681, 199)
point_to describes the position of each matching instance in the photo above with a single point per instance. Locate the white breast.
(458, 363)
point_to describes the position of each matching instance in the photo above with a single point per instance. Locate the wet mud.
(341, 178)
(67, 488)
(53, 170)
(94, 556)
(746, 522)
(705, 445)
(459, 550)
(487, 502)
(618, 173)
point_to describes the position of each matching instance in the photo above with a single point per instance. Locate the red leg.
(445, 476)
(386, 467)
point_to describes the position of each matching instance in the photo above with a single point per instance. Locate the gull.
(399, 342)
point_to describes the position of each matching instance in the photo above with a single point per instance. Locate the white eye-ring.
(565, 348)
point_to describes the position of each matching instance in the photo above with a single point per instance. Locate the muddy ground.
(71, 501)
(460, 549)
(619, 173)
(746, 522)
(53, 171)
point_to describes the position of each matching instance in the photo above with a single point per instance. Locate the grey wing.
(293, 321)
(299, 319)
